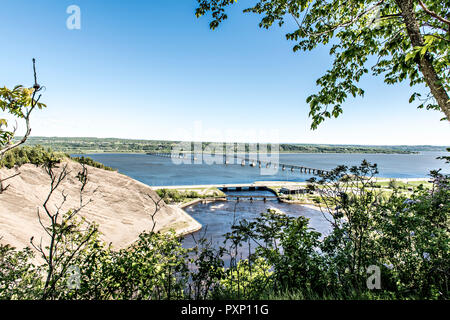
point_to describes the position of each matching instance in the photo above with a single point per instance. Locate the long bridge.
(238, 198)
(246, 161)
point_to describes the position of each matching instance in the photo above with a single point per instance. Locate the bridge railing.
(251, 162)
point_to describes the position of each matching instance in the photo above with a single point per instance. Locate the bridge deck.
(251, 161)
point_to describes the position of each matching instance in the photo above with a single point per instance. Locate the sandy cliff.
(120, 205)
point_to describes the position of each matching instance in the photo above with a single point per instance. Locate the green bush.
(248, 280)
(19, 277)
(175, 196)
(90, 162)
(38, 155)
(407, 237)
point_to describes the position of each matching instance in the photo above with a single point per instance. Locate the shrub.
(19, 277)
(406, 236)
(36, 155)
(90, 162)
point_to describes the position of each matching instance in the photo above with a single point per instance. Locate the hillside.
(120, 205)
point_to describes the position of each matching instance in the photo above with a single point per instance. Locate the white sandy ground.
(120, 205)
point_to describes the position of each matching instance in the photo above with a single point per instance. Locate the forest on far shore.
(76, 145)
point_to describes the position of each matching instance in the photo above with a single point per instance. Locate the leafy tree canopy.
(16, 102)
(408, 39)
(19, 103)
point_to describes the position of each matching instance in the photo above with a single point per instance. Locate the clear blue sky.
(152, 70)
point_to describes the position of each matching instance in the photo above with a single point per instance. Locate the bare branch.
(433, 14)
(156, 210)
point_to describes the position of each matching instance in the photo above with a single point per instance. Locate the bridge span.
(246, 161)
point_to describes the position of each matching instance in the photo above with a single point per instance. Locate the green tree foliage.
(39, 155)
(175, 196)
(286, 245)
(414, 242)
(19, 277)
(19, 103)
(113, 145)
(446, 158)
(90, 162)
(407, 237)
(248, 280)
(155, 267)
(399, 39)
(35, 155)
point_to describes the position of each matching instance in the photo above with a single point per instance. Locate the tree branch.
(34, 102)
(433, 14)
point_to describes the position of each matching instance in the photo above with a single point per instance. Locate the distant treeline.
(39, 155)
(113, 145)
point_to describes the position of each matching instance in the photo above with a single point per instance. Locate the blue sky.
(152, 70)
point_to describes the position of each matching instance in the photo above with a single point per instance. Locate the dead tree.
(158, 207)
(61, 225)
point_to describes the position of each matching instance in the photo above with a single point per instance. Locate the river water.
(156, 171)
(218, 217)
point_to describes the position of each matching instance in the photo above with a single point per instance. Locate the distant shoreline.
(79, 145)
(280, 152)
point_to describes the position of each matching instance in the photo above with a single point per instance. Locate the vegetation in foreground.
(406, 239)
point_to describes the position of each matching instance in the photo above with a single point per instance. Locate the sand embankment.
(119, 205)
